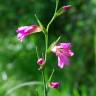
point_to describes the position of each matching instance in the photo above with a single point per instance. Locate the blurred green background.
(18, 60)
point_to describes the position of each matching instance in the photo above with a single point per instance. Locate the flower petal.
(20, 36)
(65, 45)
(21, 29)
(27, 30)
(63, 60)
(32, 29)
(70, 53)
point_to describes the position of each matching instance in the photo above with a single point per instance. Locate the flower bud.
(54, 84)
(41, 61)
(67, 7)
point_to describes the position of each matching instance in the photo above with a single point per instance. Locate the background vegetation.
(18, 60)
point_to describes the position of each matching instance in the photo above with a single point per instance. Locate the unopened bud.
(41, 61)
(67, 7)
(54, 84)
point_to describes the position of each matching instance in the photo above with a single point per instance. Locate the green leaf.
(23, 85)
(40, 24)
(50, 76)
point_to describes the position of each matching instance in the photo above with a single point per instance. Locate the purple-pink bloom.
(54, 84)
(67, 7)
(41, 61)
(63, 52)
(27, 30)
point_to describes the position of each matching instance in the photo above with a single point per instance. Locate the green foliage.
(18, 60)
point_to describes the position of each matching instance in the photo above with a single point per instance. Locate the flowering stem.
(43, 73)
(46, 45)
(44, 82)
(46, 48)
(57, 1)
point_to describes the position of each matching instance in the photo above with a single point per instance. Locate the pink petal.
(20, 36)
(63, 60)
(70, 53)
(21, 29)
(33, 29)
(27, 30)
(65, 45)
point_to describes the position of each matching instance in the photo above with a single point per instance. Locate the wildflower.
(54, 84)
(63, 52)
(41, 61)
(27, 30)
(68, 7)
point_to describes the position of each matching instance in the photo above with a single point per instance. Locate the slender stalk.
(37, 52)
(57, 1)
(43, 73)
(46, 45)
(44, 82)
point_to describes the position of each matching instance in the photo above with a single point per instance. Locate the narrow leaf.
(40, 24)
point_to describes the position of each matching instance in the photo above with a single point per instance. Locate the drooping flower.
(54, 84)
(67, 7)
(27, 30)
(41, 61)
(63, 52)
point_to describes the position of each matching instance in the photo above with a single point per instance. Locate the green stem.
(37, 52)
(43, 70)
(43, 75)
(46, 45)
(44, 82)
(57, 1)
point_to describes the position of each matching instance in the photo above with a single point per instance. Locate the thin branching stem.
(46, 48)
(57, 1)
(44, 82)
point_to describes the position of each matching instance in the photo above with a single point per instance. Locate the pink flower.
(63, 52)
(27, 30)
(41, 61)
(54, 84)
(68, 7)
